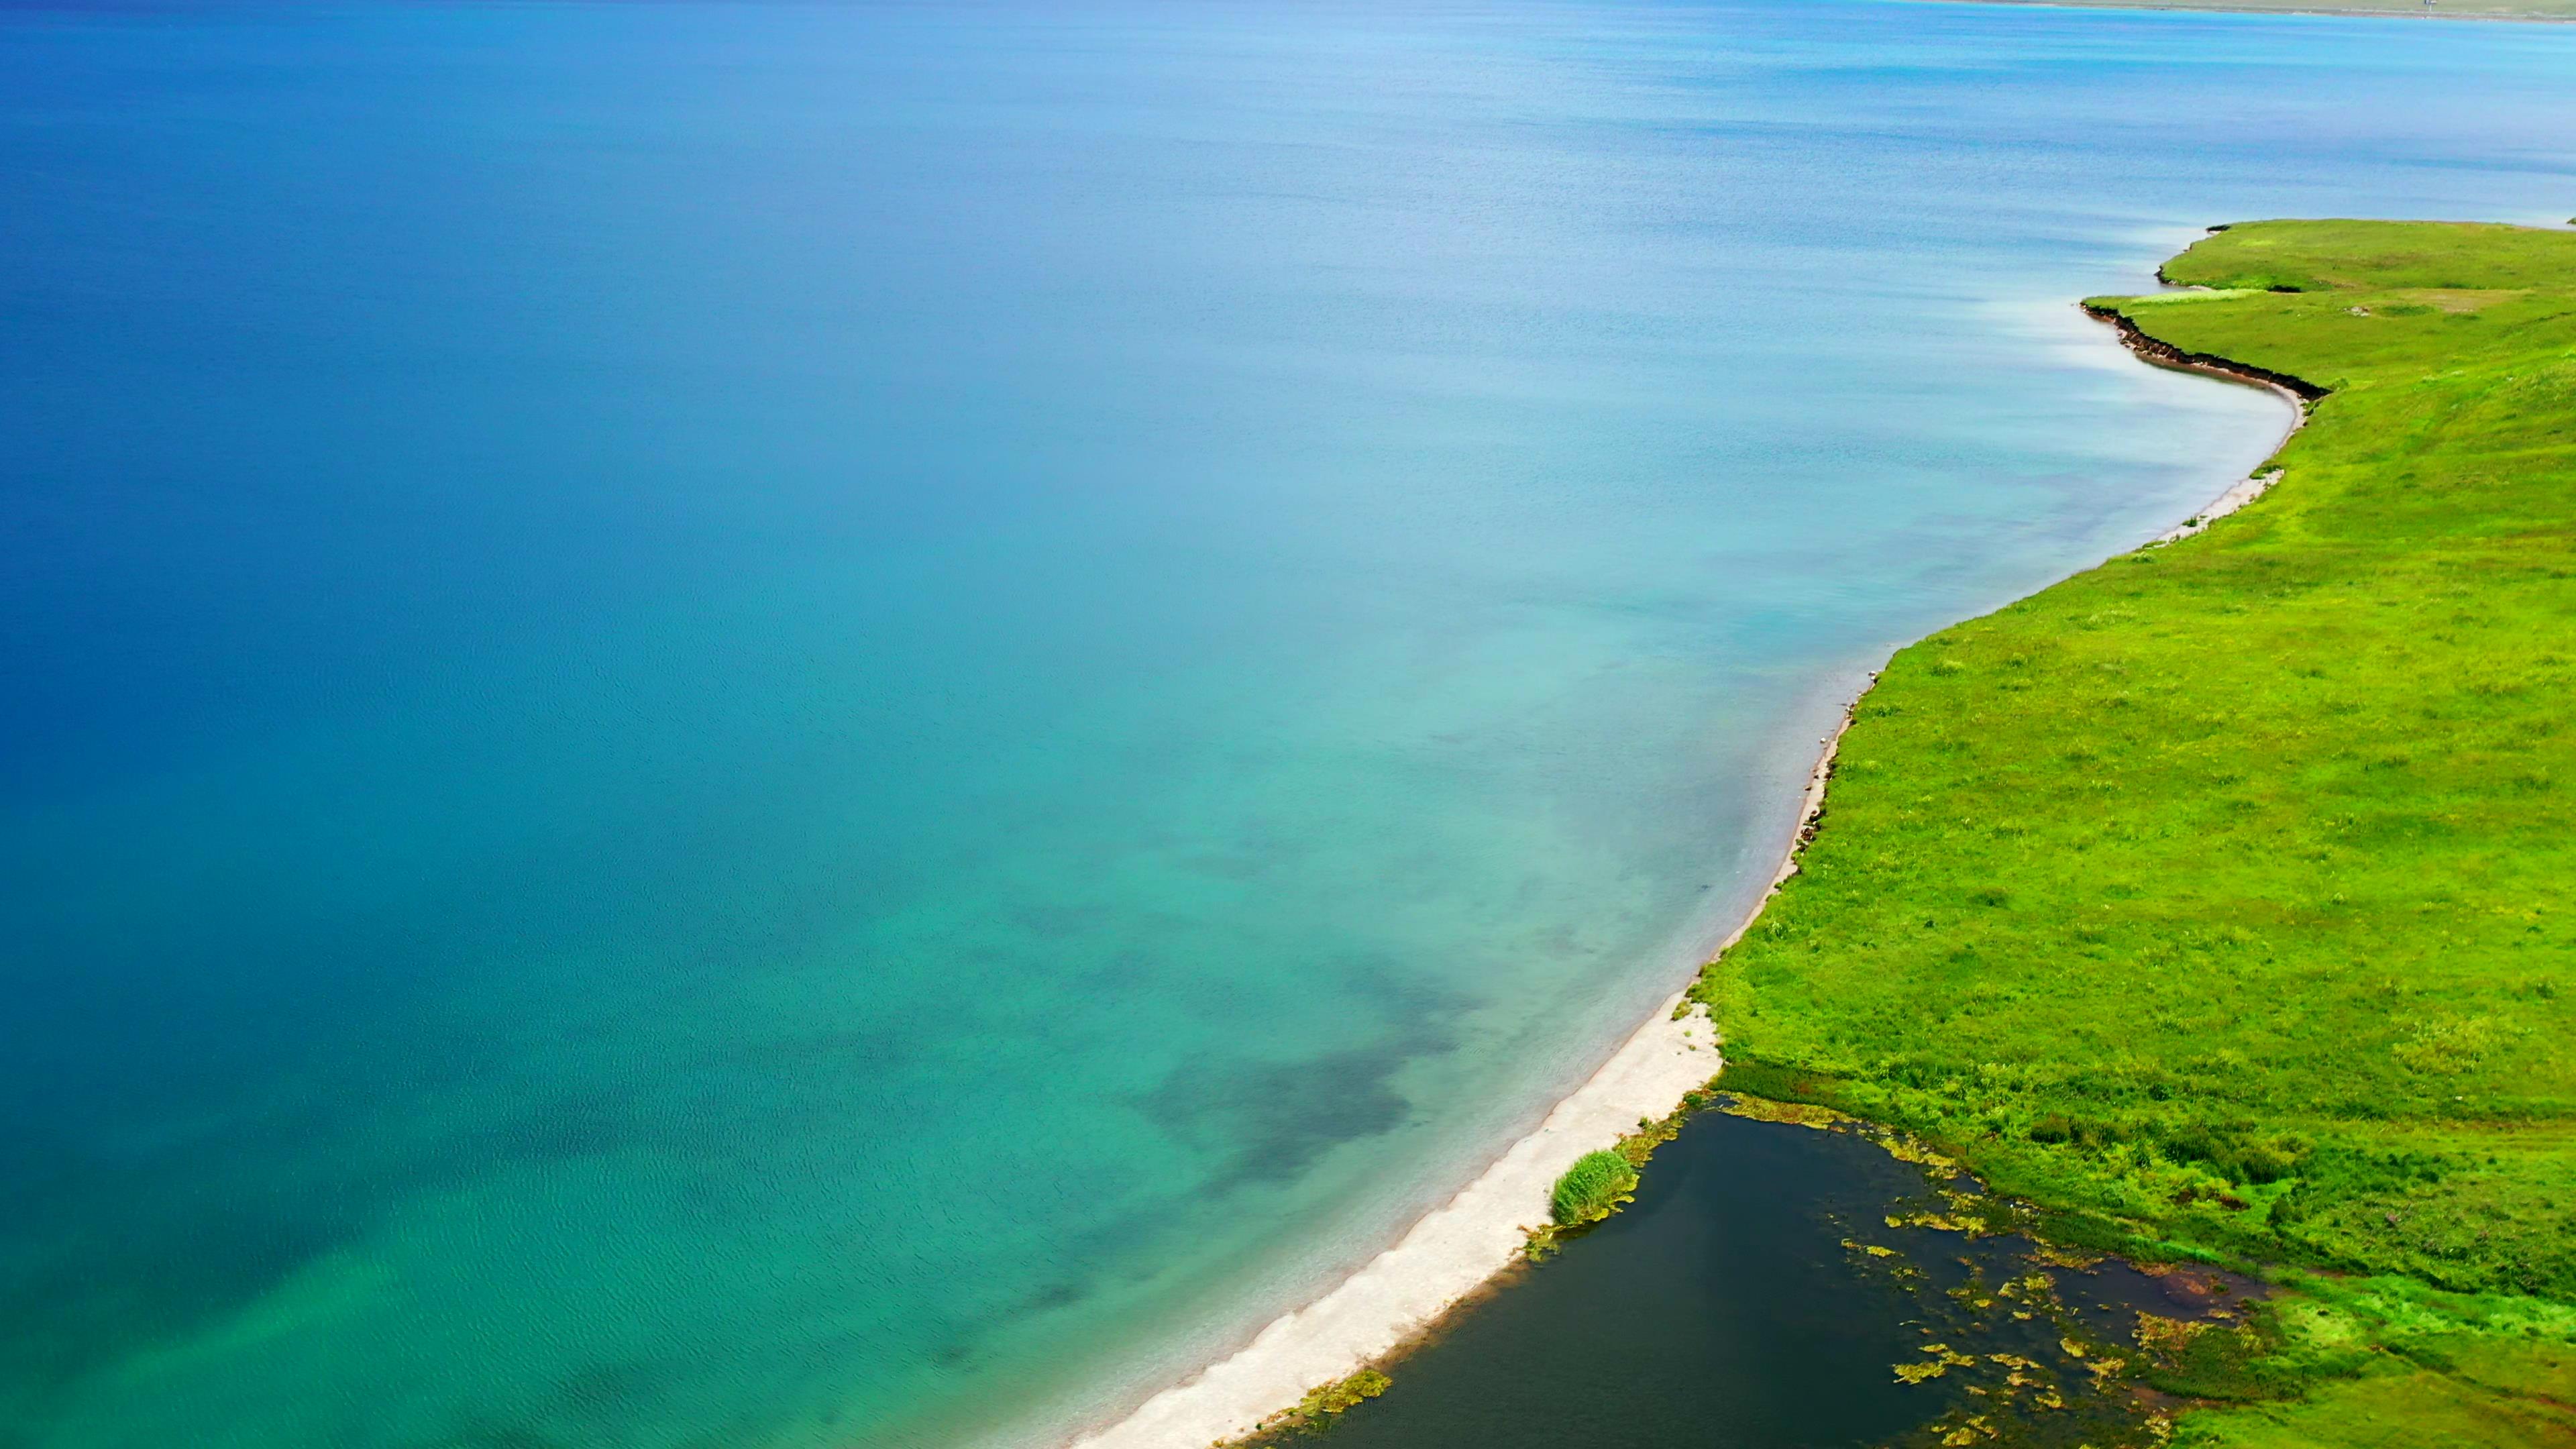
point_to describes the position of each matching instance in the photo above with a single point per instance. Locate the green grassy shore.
(2220, 903)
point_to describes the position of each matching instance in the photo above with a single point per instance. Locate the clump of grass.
(1342, 1394)
(1592, 1188)
(1630, 1153)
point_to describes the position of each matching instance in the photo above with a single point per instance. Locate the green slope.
(2221, 902)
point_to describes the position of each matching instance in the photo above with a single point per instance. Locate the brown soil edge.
(2160, 353)
(2298, 392)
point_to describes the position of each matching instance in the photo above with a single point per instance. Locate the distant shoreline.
(2560, 13)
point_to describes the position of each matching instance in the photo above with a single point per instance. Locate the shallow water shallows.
(801, 725)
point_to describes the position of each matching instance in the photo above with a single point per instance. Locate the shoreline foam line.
(1454, 1250)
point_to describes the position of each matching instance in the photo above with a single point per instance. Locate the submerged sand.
(1459, 1246)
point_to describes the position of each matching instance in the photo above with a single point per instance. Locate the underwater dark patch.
(1283, 1115)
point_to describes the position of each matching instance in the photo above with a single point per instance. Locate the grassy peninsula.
(2220, 903)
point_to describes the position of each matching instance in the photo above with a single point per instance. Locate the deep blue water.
(844, 724)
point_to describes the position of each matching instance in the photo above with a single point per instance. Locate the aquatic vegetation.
(2210, 905)
(1592, 1188)
(1315, 1412)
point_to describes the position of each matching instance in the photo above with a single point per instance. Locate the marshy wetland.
(1785, 1279)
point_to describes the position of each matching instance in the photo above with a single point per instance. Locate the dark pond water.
(1757, 1295)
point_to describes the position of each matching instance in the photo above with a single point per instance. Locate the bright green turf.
(2220, 898)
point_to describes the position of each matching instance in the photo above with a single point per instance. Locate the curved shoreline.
(1457, 1248)
(2160, 353)
(2298, 392)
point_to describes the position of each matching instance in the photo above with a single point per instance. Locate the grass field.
(2221, 902)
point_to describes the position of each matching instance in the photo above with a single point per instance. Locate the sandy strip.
(1459, 1246)
(2227, 503)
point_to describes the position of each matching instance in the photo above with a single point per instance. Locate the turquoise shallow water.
(813, 725)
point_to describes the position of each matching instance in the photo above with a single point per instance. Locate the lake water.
(762, 725)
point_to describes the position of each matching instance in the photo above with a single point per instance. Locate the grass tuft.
(1592, 1188)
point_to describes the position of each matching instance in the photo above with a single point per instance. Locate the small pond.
(1763, 1292)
